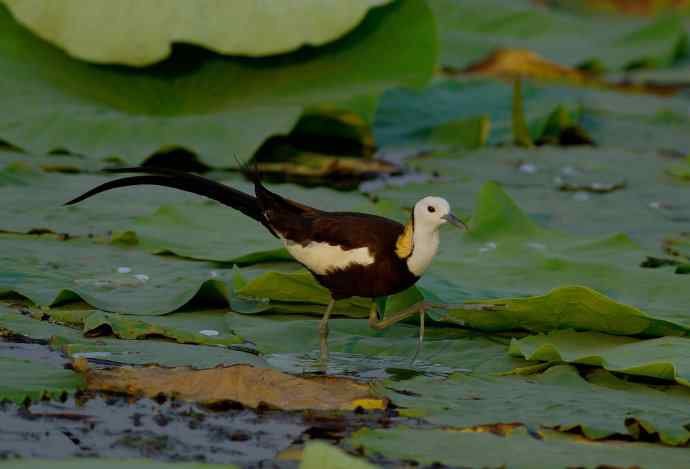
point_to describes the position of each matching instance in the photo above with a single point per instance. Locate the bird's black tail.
(238, 200)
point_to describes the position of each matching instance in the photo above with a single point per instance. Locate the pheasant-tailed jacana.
(351, 254)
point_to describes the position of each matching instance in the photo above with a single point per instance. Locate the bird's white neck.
(424, 249)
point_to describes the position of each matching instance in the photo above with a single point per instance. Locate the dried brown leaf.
(245, 384)
(517, 63)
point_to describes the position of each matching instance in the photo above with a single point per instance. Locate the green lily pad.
(564, 307)
(33, 201)
(291, 343)
(320, 455)
(156, 352)
(37, 373)
(214, 106)
(559, 398)
(111, 278)
(204, 328)
(20, 324)
(273, 291)
(517, 450)
(186, 326)
(665, 358)
(470, 30)
(100, 32)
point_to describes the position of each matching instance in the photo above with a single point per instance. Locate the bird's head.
(432, 212)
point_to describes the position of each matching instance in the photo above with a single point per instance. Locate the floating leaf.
(665, 358)
(566, 307)
(559, 398)
(14, 323)
(37, 373)
(518, 450)
(48, 272)
(244, 384)
(185, 328)
(137, 352)
(155, 352)
(292, 287)
(43, 210)
(320, 455)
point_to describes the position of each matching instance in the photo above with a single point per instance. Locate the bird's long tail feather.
(234, 198)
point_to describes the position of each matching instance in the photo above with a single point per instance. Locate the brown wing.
(355, 230)
(302, 224)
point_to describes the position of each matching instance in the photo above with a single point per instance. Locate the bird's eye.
(431, 209)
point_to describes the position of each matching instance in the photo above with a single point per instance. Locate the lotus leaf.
(665, 357)
(560, 398)
(140, 33)
(518, 450)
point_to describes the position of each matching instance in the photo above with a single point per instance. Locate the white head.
(432, 212)
(429, 214)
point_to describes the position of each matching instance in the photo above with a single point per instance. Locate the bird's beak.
(450, 218)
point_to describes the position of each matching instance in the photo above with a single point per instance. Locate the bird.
(349, 253)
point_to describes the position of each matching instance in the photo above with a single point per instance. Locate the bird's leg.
(323, 332)
(410, 311)
(421, 337)
(417, 308)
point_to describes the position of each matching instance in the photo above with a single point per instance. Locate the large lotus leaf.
(559, 398)
(136, 33)
(632, 121)
(87, 463)
(470, 30)
(214, 106)
(292, 344)
(519, 449)
(665, 358)
(111, 278)
(36, 373)
(320, 455)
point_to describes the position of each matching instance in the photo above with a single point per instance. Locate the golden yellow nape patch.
(404, 244)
